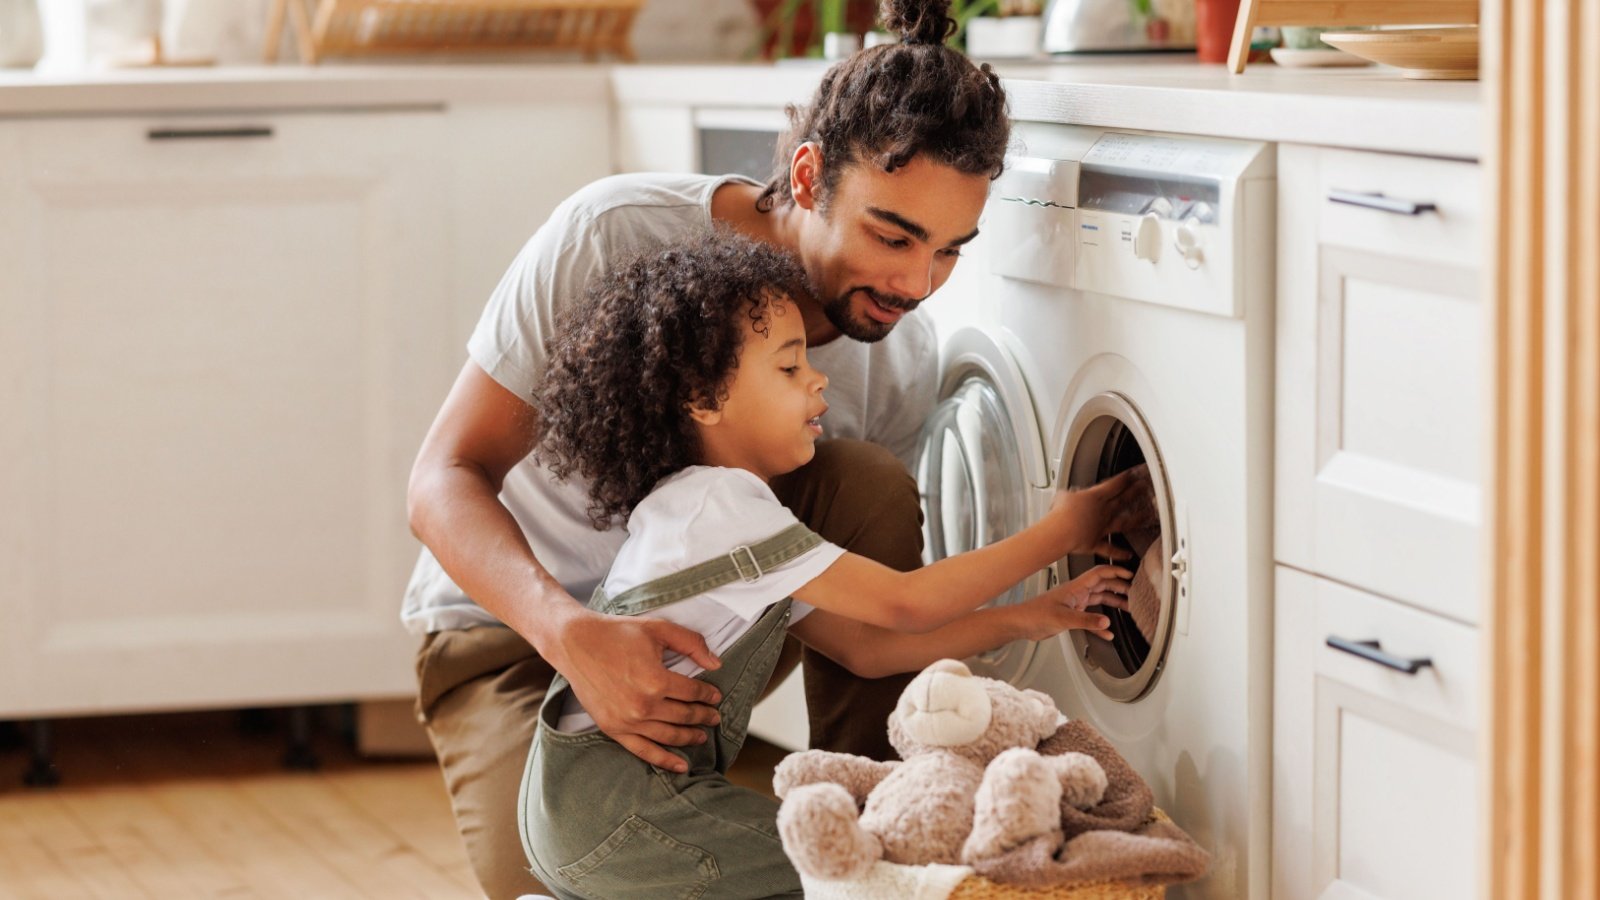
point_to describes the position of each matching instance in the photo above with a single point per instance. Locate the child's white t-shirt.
(692, 516)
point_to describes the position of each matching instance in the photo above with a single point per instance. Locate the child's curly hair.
(658, 333)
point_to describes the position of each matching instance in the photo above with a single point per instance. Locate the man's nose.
(915, 282)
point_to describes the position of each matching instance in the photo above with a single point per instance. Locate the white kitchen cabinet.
(1379, 431)
(1375, 786)
(224, 337)
(1380, 421)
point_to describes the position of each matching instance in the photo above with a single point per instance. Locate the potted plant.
(796, 27)
(1000, 29)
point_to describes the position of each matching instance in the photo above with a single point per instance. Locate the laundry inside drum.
(1109, 437)
(1133, 628)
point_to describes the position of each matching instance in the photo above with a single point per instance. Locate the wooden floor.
(191, 805)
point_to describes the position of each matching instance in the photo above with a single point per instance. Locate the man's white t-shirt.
(699, 514)
(880, 392)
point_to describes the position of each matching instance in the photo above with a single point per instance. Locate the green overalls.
(598, 823)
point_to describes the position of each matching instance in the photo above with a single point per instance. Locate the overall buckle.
(751, 564)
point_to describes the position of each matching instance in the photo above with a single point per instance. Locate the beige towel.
(1122, 839)
(1158, 852)
(1128, 802)
(1144, 594)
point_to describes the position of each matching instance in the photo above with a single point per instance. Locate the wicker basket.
(373, 27)
(976, 887)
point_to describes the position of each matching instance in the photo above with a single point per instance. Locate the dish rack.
(325, 28)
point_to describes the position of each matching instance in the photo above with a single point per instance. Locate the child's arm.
(934, 595)
(871, 651)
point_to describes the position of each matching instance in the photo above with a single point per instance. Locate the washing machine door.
(982, 471)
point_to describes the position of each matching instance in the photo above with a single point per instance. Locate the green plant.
(964, 11)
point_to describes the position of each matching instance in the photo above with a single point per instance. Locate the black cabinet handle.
(202, 134)
(1370, 650)
(1382, 203)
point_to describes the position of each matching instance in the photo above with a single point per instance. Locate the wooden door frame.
(1541, 745)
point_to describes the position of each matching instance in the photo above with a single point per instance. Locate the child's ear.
(704, 414)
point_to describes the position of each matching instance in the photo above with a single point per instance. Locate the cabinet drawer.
(1446, 689)
(1381, 377)
(1424, 209)
(1375, 771)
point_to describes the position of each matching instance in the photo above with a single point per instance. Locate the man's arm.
(613, 662)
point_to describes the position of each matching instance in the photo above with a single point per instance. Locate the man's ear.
(805, 174)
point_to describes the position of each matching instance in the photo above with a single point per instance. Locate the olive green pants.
(480, 689)
(600, 824)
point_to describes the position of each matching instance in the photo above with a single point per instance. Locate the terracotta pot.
(860, 16)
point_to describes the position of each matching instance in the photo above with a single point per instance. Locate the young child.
(677, 390)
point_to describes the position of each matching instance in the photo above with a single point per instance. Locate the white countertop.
(1361, 108)
(199, 89)
(1366, 108)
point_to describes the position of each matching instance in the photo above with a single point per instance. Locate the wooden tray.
(374, 27)
(1429, 53)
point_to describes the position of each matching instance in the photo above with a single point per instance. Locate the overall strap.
(747, 563)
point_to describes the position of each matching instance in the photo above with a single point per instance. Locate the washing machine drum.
(975, 491)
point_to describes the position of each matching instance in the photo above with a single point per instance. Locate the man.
(880, 183)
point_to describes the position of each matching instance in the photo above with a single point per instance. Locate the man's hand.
(615, 666)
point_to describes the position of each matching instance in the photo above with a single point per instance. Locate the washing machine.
(1117, 311)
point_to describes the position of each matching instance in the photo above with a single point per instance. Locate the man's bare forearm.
(456, 511)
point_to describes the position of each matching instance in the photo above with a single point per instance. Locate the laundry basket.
(976, 887)
(373, 27)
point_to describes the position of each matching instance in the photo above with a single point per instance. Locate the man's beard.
(862, 328)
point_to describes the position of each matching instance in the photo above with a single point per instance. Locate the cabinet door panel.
(1380, 420)
(234, 345)
(1374, 770)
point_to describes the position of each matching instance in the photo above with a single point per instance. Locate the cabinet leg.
(254, 722)
(42, 771)
(300, 756)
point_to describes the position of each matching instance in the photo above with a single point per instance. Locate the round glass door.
(1109, 436)
(975, 488)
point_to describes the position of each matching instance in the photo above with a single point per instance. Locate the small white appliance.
(1116, 309)
(1098, 26)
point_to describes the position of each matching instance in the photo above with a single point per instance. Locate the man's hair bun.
(919, 21)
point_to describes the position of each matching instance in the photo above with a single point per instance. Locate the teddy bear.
(970, 787)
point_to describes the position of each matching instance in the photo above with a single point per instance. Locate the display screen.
(1133, 192)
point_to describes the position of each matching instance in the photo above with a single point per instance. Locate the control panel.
(1156, 218)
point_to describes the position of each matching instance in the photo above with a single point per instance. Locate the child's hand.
(1124, 502)
(1066, 606)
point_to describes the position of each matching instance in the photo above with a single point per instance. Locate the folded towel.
(1123, 839)
(1158, 852)
(1127, 803)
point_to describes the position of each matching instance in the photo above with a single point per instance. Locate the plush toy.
(971, 786)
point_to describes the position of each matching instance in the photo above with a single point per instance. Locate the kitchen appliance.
(1116, 309)
(1094, 26)
(21, 34)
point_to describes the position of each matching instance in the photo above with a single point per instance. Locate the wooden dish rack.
(325, 28)
(1342, 13)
